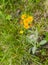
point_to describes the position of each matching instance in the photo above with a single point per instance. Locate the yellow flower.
(23, 16)
(26, 21)
(30, 18)
(26, 26)
(21, 31)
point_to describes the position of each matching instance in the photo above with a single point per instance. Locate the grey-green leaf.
(43, 42)
(34, 49)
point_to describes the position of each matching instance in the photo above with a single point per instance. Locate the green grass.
(29, 48)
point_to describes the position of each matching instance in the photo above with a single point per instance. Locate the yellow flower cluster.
(26, 21)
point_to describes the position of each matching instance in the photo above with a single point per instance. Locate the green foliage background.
(16, 49)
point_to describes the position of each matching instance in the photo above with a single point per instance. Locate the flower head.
(21, 31)
(23, 16)
(26, 26)
(26, 21)
(30, 18)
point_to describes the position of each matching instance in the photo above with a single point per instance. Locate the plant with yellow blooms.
(26, 21)
(23, 36)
